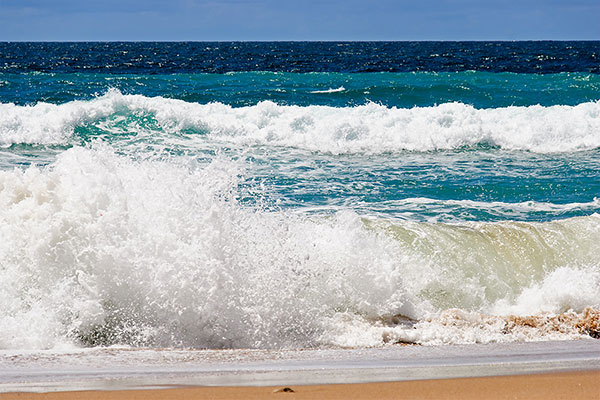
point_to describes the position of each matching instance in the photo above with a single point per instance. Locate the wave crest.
(369, 128)
(99, 249)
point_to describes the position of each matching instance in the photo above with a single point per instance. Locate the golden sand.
(566, 385)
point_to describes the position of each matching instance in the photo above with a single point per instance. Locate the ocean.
(298, 195)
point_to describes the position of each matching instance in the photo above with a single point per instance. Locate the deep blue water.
(350, 57)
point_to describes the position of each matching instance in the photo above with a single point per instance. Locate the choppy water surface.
(198, 200)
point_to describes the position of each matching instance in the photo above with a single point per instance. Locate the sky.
(205, 20)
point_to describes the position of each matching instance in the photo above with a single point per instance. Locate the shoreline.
(131, 369)
(558, 385)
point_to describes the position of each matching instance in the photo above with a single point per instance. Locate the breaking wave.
(98, 249)
(369, 128)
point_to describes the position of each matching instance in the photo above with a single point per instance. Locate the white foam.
(101, 249)
(525, 206)
(330, 90)
(369, 128)
(565, 288)
(46, 123)
(441, 210)
(159, 254)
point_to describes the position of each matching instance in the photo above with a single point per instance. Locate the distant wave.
(369, 128)
(340, 89)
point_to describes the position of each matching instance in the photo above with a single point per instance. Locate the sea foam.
(369, 128)
(100, 249)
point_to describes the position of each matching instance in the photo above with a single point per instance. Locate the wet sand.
(543, 370)
(563, 385)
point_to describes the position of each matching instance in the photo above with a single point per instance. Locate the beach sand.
(564, 385)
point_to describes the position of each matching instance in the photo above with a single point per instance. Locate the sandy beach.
(566, 385)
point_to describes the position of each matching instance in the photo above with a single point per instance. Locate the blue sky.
(64, 20)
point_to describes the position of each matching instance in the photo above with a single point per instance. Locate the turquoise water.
(393, 89)
(418, 145)
(278, 209)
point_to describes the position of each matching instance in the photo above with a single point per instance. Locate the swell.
(98, 249)
(368, 129)
(403, 90)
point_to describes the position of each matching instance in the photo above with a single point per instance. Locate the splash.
(99, 249)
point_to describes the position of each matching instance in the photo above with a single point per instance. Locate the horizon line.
(294, 40)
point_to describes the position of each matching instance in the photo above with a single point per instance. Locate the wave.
(481, 89)
(340, 89)
(528, 206)
(98, 249)
(437, 210)
(369, 128)
(460, 327)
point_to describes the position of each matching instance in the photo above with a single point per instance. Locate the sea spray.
(103, 250)
(99, 249)
(202, 195)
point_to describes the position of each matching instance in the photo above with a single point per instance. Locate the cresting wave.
(99, 249)
(459, 210)
(330, 90)
(368, 128)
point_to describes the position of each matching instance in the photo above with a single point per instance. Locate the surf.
(100, 249)
(362, 129)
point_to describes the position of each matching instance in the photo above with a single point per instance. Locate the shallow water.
(126, 369)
